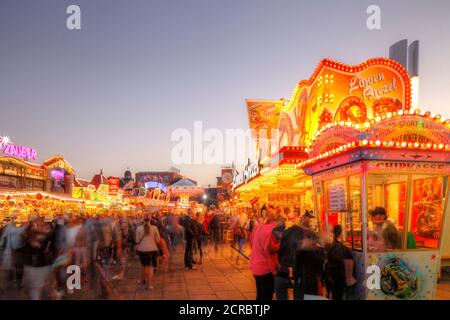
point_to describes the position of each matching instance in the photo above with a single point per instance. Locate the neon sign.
(8, 148)
(251, 170)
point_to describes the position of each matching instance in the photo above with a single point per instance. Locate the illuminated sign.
(342, 93)
(12, 150)
(251, 170)
(113, 183)
(155, 185)
(410, 128)
(443, 168)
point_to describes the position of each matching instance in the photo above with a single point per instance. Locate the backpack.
(334, 264)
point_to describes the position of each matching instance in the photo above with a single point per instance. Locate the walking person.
(338, 259)
(198, 237)
(189, 234)
(263, 257)
(310, 259)
(250, 226)
(205, 229)
(13, 242)
(40, 253)
(215, 228)
(105, 247)
(147, 238)
(287, 267)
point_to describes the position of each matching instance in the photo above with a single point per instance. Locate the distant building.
(53, 175)
(127, 180)
(99, 179)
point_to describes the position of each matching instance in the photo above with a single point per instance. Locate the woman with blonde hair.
(148, 239)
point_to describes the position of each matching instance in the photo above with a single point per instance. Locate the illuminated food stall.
(374, 166)
(271, 177)
(400, 163)
(380, 170)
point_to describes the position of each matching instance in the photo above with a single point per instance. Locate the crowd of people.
(35, 251)
(287, 253)
(285, 250)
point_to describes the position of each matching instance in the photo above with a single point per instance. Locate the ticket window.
(387, 191)
(421, 206)
(343, 206)
(427, 209)
(320, 209)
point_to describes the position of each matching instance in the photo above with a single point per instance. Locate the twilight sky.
(109, 95)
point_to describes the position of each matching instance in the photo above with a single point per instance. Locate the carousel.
(185, 190)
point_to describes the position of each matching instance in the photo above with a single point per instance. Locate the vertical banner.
(113, 183)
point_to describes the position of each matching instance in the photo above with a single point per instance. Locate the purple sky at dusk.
(109, 95)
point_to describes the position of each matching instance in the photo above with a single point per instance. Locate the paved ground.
(219, 277)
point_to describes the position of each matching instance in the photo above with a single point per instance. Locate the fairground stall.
(400, 163)
(271, 177)
(27, 204)
(367, 150)
(186, 191)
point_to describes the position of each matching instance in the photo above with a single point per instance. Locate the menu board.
(337, 197)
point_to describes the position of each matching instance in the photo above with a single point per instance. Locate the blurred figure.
(121, 233)
(176, 236)
(40, 253)
(263, 256)
(338, 258)
(252, 222)
(13, 242)
(105, 246)
(310, 258)
(189, 235)
(205, 229)
(287, 271)
(147, 237)
(197, 223)
(214, 227)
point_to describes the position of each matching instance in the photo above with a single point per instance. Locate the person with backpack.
(338, 258)
(310, 258)
(286, 270)
(148, 238)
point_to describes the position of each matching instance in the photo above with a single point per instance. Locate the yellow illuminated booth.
(401, 163)
(360, 146)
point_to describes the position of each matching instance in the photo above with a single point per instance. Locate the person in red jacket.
(205, 228)
(263, 259)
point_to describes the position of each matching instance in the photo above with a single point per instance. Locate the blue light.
(154, 185)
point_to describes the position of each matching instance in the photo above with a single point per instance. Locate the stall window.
(322, 227)
(337, 208)
(387, 192)
(426, 210)
(355, 222)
